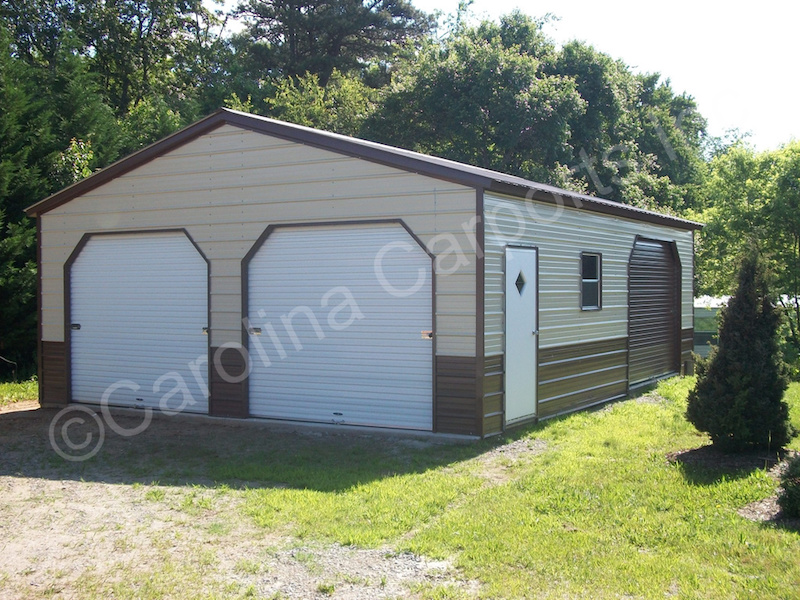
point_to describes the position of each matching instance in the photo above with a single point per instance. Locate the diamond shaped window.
(520, 283)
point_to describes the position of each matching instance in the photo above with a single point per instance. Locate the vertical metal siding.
(141, 303)
(376, 370)
(654, 328)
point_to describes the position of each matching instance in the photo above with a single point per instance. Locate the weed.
(326, 588)
(437, 592)
(18, 392)
(307, 559)
(248, 567)
(219, 528)
(155, 494)
(194, 504)
(355, 579)
(250, 592)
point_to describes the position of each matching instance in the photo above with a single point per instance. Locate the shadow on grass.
(201, 451)
(707, 465)
(789, 524)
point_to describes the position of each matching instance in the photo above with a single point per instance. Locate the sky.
(740, 61)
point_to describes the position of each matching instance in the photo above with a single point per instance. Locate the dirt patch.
(22, 405)
(352, 573)
(498, 464)
(78, 529)
(54, 534)
(651, 398)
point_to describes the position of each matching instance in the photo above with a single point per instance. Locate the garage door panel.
(653, 312)
(141, 301)
(350, 331)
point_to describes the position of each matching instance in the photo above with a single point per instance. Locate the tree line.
(85, 82)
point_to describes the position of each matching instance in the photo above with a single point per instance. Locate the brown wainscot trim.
(53, 380)
(687, 347)
(457, 407)
(493, 395)
(576, 376)
(227, 383)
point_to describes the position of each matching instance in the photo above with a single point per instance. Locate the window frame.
(598, 281)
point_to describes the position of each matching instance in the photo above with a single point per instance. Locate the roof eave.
(395, 157)
(128, 163)
(589, 203)
(295, 133)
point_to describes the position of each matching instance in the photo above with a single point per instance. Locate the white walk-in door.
(521, 333)
(340, 323)
(138, 309)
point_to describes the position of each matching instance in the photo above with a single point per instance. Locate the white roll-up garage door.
(138, 307)
(340, 319)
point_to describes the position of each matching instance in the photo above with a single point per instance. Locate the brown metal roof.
(407, 160)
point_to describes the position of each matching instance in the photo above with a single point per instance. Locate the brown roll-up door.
(654, 311)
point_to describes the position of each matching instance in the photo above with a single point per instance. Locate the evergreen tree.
(738, 398)
(289, 38)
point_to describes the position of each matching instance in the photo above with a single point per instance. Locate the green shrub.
(738, 399)
(789, 498)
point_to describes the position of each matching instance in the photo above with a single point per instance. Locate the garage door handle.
(75, 326)
(427, 334)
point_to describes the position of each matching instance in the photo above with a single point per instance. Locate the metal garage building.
(245, 267)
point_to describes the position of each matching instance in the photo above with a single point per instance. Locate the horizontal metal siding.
(561, 234)
(348, 325)
(53, 386)
(457, 409)
(493, 395)
(653, 340)
(227, 186)
(141, 303)
(579, 375)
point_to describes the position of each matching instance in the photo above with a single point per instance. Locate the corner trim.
(39, 310)
(480, 309)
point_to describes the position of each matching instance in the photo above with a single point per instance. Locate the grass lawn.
(600, 513)
(18, 392)
(585, 506)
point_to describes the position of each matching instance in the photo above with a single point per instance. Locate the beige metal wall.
(227, 186)
(561, 234)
